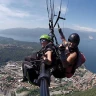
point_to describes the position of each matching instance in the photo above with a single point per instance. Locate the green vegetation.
(11, 41)
(21, 90)
(35, 92)
(90, 92)
(9, 78)
(13, 93)
(16, 50)
(13, 54)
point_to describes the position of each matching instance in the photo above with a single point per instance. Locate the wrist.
(46, 61)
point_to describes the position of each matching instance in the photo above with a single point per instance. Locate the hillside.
(89, 92)
(11, 49)
(12, 52)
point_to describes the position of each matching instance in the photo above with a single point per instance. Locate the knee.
(28, 58)
(24, 63)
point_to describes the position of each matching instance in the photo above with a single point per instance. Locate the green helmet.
(44, 36)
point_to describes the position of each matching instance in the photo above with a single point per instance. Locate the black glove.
(62, 48)
(39, 55)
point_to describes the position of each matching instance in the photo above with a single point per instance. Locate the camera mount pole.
(44, 80)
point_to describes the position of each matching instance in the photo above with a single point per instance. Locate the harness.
(57, 69)
(61, 72)
(73, 66)
(49, 47)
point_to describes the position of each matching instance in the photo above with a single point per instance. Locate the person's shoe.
(35, 82)
(24, 80)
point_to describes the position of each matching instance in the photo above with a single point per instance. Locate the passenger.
(47, 53)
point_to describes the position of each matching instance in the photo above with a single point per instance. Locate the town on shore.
(11, 76)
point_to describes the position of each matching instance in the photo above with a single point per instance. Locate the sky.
(79, 14)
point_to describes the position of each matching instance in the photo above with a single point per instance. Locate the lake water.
(87, 46)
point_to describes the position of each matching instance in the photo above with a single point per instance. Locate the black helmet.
(74, 37)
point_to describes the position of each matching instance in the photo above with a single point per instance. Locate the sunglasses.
(43, 40)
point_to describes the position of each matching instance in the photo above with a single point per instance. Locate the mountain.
(24, 32)
(36, 32)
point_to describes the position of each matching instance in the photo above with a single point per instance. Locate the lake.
(87, 46)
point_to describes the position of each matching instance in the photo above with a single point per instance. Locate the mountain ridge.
(39, 31)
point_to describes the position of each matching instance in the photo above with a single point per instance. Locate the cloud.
(25, 13)
(63, 9)
(90, 37)
(4, 10)
(82, 28)
(33, 22)
(13, 17)
(12, 23)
